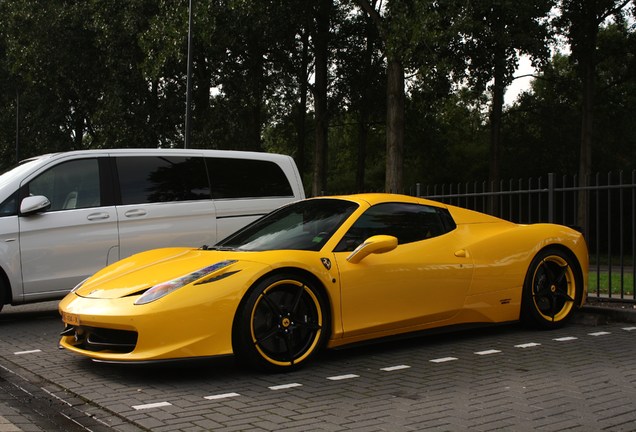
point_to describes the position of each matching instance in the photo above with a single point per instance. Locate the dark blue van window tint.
(9, 207)
(246, 178)
(69, 185)
(151, 179)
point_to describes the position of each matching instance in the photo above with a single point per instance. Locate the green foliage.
(106, 73)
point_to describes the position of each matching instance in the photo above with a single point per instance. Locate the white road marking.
(151, 405)
(488, 352)
(601, 333)
(343, 377)
(221, 396)
(528, 345)
(443, 359)
(566, 338)
(629, 328)
(394, 368)
(285, 386)
(27, 352)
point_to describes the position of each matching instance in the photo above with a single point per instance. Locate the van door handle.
(135, 213)
(97, 216)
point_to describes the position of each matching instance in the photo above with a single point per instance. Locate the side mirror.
(34, 204)
(376, 244)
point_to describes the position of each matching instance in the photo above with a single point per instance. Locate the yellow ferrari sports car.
(327, 272)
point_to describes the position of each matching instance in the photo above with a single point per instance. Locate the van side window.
(152, 179)
(9, 207)
(69, 185)
(246, 178)
(408, 222)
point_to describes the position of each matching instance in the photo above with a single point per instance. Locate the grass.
(602, 279)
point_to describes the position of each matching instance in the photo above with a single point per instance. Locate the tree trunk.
(394, 126)
(587, 130)
(301, 115)
(496, 111)
(319, 186)
(363, 112)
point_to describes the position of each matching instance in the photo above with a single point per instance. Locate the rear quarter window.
(247, 178)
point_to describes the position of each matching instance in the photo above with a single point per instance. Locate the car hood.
(134, 275)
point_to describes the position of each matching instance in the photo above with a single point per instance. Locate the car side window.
(69, 185)
(247, 178)
(154, 179)
(408, 222)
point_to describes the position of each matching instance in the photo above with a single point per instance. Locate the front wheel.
(552, 290)
(282, 323)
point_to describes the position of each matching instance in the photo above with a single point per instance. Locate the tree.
(580, 22)
(394, 97)
(492, 36)
(321, 53)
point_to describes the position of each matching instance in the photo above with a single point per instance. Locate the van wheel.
(282, 324)
(552, 289)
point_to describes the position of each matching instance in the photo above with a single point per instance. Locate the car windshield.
(304, 225)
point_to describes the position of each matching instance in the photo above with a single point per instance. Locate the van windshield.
(304, 225)
(18, 170)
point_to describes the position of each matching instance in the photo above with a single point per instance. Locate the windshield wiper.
(217, 248)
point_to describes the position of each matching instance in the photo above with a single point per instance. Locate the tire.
(552, 289)
(4, 292)
(282, 323)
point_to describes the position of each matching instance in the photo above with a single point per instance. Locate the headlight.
(165, 288)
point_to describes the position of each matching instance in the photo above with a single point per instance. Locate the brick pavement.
(582, 377)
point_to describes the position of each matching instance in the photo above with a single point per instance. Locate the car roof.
(378, 198)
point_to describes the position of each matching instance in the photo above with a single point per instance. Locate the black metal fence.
(609, 219)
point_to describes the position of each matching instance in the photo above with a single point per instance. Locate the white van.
(64, 216)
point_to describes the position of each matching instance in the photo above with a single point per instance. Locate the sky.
(520, 84)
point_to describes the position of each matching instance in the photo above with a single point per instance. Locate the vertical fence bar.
(609, 235)
(598, 234)
(621, 241)
(529, 215)
(633, 218)
(510, 187)
(551, 197)
(519, 204)
(540, 199)
(564, 197)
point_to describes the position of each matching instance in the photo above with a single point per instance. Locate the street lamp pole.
(17, 126)
(188, 115)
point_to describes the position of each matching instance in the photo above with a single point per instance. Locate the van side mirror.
(373, 245)
(34, 204)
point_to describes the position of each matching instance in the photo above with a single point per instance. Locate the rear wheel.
(552, 289)
(282, 323)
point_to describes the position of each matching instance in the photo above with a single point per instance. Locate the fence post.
(551, 197)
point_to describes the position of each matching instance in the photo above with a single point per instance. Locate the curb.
(602, 314)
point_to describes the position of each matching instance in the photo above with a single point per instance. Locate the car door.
(424, 279)
(165, 201)
(73, 239)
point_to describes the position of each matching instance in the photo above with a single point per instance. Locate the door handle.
(462, 253)
(97, 216)
(135, 213)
